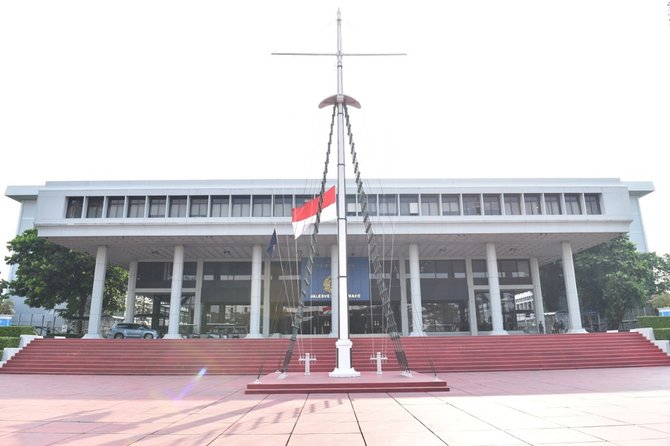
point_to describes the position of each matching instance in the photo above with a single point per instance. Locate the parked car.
(126, 330)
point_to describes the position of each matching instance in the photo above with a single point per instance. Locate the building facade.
(459, 256)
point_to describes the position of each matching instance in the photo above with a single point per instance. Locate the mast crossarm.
(335, 54)
(340, 99)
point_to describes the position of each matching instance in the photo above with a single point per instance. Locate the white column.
(197, 304)
(255, 312)
(571, 290)
(95, 313)
(335, 309)
(537, 292)
(129, 314)
(344, 367)
(175, 293)
(415, 286)
(494, 289)
(404, 320)
(267, 277)
(472, 304)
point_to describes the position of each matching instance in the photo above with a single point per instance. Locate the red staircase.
(262, 356)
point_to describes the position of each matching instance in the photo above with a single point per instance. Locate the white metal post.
(343, 368)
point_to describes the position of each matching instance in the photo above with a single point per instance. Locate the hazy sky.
(117, 90)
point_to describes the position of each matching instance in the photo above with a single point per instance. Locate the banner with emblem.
(321, 286)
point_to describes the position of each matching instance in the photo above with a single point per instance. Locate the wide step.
(261, 356)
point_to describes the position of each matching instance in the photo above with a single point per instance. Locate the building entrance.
(153, 310)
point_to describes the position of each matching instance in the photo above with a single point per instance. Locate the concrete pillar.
(175, 293)
(95, 312)
(267, 277)
(575, 317)
(494, 290)
(537, 292)
(255, 312)
(335, 309)
(472, 304)
(197, 304)
(129, 314)
(415, 286)
(404, 319)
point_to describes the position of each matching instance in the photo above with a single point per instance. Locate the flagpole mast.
(344, 368)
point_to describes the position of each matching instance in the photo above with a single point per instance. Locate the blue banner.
(321, 286)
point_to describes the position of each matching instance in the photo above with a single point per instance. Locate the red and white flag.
(305, 215)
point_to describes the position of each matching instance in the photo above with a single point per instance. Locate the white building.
(195, 250)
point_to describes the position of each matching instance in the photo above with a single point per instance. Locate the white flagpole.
(344, 368)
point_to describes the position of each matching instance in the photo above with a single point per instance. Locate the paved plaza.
(625, 407)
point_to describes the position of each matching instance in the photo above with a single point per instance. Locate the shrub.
(16, 330)
(9, 342)
(660, 324)
(654, 321)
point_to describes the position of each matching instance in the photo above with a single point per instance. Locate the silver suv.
(127, 330)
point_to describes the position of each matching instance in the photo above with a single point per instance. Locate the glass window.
(115, 207)
(136, 207)
(450, 205)
(512, 204)
(552, 204)
(430, 204)
(75, 206)
(388, 204)
(220, 206)
(154, 274)
(471, 205)
(442, 269)
(351, 206)
(157, 207)
(532, 204)
(458, 267)
(198, 207)
(484, 312)
(94, 207)
(369, 203)
(480, 272)
(427, 269)
(592, 204)
(409, 204)
(572, 204)
(283, 205)
(177, 207)
(491, 204)
(514, 271)
(241, 206)
(262, 206)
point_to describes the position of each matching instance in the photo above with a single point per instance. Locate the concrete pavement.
(595, 407)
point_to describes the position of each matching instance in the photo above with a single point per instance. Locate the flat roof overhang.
(436, 239)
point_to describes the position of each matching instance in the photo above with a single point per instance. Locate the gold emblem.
(328, 285)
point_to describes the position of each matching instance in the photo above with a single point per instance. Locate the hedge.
(662, 334)
(9, 342)
(653, 321)
(16, 330)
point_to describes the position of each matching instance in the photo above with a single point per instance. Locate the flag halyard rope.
(306, 281)
(387, 311)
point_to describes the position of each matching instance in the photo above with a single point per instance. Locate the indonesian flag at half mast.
(305, 215)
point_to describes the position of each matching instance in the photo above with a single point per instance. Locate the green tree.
(6, 305)
(661, 300)
(49, 275)
(614, 277)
